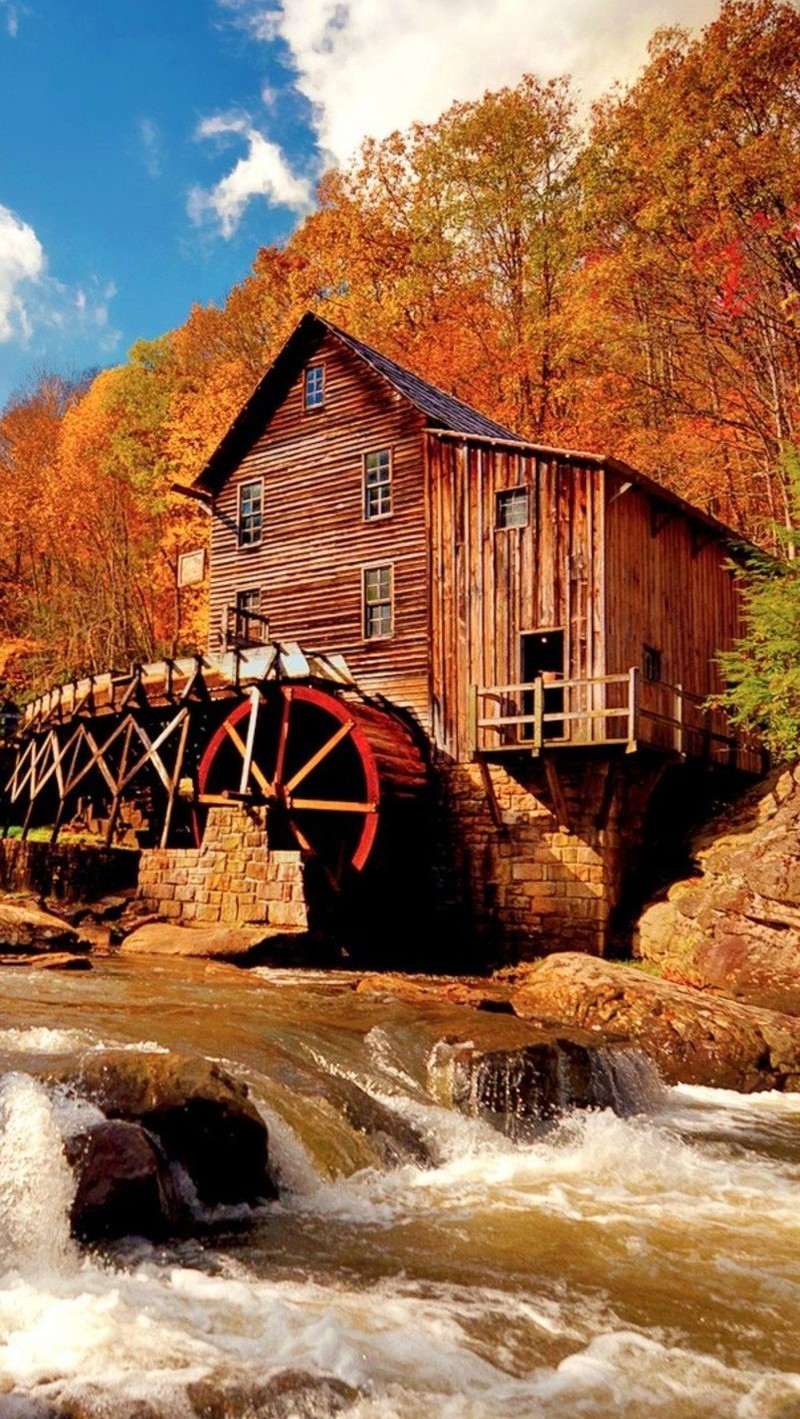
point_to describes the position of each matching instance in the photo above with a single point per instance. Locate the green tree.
(763, 669)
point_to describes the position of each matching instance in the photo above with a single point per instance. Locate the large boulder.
(692, 1036)
(221, 943)
(124, 1184)
(521, 1090)
(25, 928)
(290, 1394)
(735, 927)
(202, 1118)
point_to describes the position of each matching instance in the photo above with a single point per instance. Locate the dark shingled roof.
(442, 410)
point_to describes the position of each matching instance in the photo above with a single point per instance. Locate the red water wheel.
(303, 753)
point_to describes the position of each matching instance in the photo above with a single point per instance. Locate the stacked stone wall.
(66, 872)
(530, 881)
(233, 878)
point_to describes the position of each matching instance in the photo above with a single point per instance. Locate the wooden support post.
(538, 715)
(491, 797)
(633, 708)
(602, 815)
(176, 776)
(472, 720)
(680, 727)
(64, 785)
(557, 794)
(123, 765)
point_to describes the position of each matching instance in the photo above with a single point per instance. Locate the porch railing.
(624, 709)
(245, 629)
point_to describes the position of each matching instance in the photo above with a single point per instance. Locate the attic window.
(512, 508)
(314, 387)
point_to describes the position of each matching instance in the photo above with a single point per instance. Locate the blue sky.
(149, 147)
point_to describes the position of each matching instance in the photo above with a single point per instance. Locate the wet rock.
(202, 1117)
(125, 1187)
(292, 1394)
(238, 944)
(393, 1139)
(692, 1036)
(27, 929)
(736, 926)
(519, 1091)
(49, 961)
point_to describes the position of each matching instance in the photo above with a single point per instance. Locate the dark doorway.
(542, 653)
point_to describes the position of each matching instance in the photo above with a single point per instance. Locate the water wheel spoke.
(283, 734)
(331, 805)
(322, 753)
(261, 779)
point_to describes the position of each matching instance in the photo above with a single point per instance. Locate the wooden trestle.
(271, 725)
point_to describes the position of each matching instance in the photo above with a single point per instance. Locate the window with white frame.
(378, 602)
(512, 508)
(378, 483)
(314, 387)
(251, 509)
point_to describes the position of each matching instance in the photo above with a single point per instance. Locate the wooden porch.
(626, 711)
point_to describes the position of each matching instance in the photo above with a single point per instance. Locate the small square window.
(378, 598)
(314, 387)
(377, 484)
(251, 502)
(651, 664)
(512, 508)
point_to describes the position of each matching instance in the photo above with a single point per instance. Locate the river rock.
(125, 1187)
(48, 961)
(735, 927)
(291, 1394)
(221, 943)
(692, 1036)
(202, 1117)
(520, 1091)
(26, 928)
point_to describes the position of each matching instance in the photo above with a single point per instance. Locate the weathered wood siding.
(669, 586)
(316, 541)
(491, 585)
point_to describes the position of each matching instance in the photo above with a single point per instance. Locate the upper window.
(378, 483)
(251, 504)
(378, 602)
(512, 508)
(314, 387)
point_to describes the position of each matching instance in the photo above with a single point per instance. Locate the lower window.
(378, 602)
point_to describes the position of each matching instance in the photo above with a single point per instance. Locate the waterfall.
(36, 1184)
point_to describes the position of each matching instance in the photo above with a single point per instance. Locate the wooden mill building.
(520, 639)
(549, 618)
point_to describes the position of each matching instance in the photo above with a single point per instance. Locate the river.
(632, 1266)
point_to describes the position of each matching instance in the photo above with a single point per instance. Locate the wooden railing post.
(472, 719)
(633, 707)
(680, 727)
(538, 714)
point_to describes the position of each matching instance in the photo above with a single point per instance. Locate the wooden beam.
(557, 794)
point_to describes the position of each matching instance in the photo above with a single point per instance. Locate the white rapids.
(637, 1266)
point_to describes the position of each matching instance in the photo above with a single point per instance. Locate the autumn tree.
(691, 183)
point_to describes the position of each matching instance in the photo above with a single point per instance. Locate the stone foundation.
(535, 868)
(233, 878)
(67, 872)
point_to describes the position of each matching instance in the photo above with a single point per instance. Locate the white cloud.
(264, 172)
(31, 300)
(11, 12)
(150, 136)
(368, 67)
(22, 265)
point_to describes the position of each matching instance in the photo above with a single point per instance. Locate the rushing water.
(616, 1266)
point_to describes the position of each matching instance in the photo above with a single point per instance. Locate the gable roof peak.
(441, 409)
